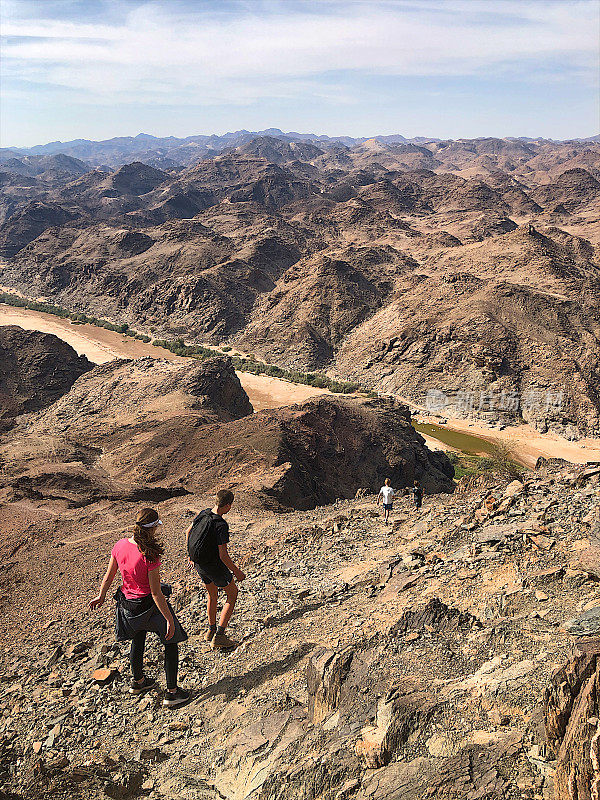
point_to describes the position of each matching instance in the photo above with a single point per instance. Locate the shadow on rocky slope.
(35, 370)
(150, 429)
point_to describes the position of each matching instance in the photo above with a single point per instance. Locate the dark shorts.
(216, 573)
(387, 506)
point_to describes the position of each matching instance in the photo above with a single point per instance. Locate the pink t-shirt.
(134, 569)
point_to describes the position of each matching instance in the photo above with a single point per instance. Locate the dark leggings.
(136, 657)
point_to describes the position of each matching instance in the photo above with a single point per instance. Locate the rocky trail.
(421, 659)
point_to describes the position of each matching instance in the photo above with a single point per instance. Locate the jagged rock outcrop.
(328, 448)
(325, 675)
(214, 381)
(572, 705)
(35, 370)
(435, 616)
(404, 711)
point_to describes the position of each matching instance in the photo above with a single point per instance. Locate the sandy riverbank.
(101, 345)
(528, 444)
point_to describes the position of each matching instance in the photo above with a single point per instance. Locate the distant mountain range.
(171, 152)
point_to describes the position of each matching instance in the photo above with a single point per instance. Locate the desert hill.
(572, 189)
(151, 429)
(278, 151)
(35, 370)
(387, 261)
(187, 150)
(52, 169)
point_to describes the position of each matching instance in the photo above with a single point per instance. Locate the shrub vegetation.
(178, 346)
(75, 316)
(500, 462)
(250, 364)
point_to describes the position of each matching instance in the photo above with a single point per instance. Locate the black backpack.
(199, 536)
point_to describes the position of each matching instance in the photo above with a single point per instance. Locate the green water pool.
(474, 445)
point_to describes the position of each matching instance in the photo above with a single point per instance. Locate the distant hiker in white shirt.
(387, 493)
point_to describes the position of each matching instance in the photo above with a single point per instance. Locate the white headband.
(151, 524)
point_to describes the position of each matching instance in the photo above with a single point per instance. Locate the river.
(101, 345)
(456, 440)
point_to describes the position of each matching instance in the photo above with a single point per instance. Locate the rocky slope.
(35, 370)
(473, 268)
(420, 660)
(494, 321)
(151, 429)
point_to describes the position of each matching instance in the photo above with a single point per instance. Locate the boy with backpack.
(207, 539)
(417, 493)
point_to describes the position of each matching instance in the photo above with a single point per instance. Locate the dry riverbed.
(98, 344)
(101, 345)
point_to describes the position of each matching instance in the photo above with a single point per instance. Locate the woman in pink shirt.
(142, 605)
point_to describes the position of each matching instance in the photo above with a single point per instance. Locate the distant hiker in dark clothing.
(142, 605)
(207, 539)
(387, 493)
(417, 493)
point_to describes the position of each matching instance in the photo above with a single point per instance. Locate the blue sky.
(447, 68)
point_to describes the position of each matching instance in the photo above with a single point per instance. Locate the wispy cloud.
(236, 53)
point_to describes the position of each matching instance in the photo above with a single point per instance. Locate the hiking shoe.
(176, 698)
(208, 636)
(222, 642)
(140, 688)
